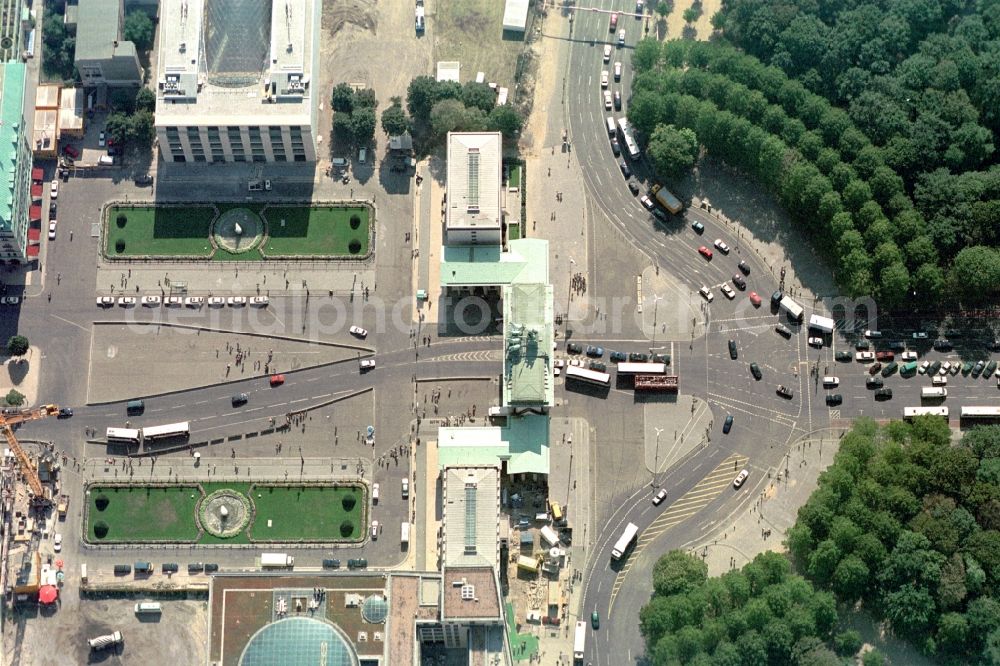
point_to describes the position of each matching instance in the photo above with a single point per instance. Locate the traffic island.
(214, 513)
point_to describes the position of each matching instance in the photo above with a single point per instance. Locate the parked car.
(150, 301)
(739, 281)
(942, 345)
(815, 342)
(755, 371)
(105, 301)
(883, 394)
(616, 148)
(126, 301)
(594, 351)
(623, 165)
(784, 391)
(618, 357)
(834, 399)
(216, 301)
(647, 202)
(732, 349)
(638, 357)
(919, 335)
(873, 382)
(598, 366)
(909, 356)
(52, 230)
(574, 348)
(54, 189)
(173, 301)
(728, 424)
(843, 356)
(864, 357)
(194, 301)
(71, 150)
(755, 299)
(783, 330)
(259, 301)
(744, 267)
(237, 301)
(728, 291)
(707, 294)
(358, 332)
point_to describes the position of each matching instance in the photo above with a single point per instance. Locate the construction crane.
(7, 421)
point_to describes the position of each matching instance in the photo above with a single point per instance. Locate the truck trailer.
(667, 199)
(105, 641)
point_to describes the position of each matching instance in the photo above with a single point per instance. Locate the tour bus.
(625, 541)
(124, 435)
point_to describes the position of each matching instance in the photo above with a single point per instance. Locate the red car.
(885, 356)
(614, 22)
(71, 151)
(705, 252)
(755, 299)
(277, 380)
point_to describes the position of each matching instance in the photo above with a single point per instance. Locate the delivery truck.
(667, 199)
(276, 560)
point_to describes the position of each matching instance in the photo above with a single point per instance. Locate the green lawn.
(143, 513)
(158, 230)
(310, 230)
(309, 512)
(522, 645)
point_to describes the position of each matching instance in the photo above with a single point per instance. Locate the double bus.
(587, 375)
(166, 431)
(912, 412)
(628, 138)
(625, 541)
(980, 415)
(642, 368)
(123, 435)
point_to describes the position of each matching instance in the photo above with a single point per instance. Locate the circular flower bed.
(225, 513)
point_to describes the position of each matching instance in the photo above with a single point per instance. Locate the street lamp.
(656, 462)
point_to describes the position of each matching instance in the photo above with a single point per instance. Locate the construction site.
(33, 506)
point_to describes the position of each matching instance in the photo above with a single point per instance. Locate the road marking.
(72, 323)
(690, 503)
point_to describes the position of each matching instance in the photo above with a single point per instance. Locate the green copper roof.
(11, 112)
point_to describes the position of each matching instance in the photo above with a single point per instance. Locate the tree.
(673, 151)
(138, 29)
(17, 345)
(677, 572)
(450, 115)
(394, 120)
(145, 100)
(478, 95)
(692, 13)
(14, 398)
(342, 98)
(365, 99)
(505, 120)
(363, 125)
(646, 54)
(420, 97)
(847, 642)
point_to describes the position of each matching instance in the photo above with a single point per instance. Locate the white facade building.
(474, 215)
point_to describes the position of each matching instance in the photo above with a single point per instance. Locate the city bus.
(933, 392)
(642, 368)
(628, 138)
(911, 412)
(980, 415)
(580, 641)
(625, 541)
(125, 435)
(589, 376)
(165, 431)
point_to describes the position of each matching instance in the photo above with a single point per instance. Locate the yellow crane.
(7, 421)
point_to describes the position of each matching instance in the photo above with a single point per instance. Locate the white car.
(10, 300)
(607, 53)
(618, 71)
(57, 542)
(740, 478)
(102, 140)
(150, 301)
(831, 382)
(259, 301)
(728, 291)
(105, 301)
(955, 367)
(923, 367)
(647, 202)
(375, 491)
(721, 247)
(659, 497)
(194, 301)
(374, 529)
(621, 38)
(126, 301)
(367, 364)
(560, 363)
(909, 356)
(575, 361)
(939, 381)
(52, 230)
(607, 100)
(54, 189)
(872, 334)
(174, 301)
(865, 357)
(604, 79)
(919, 335)
(945, 367)
(216, 301)
(359, 332)
(237, 301)
(706, 293)
(815, 342)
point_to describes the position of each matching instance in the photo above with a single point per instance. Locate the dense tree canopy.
(354, 119)
(439, 107)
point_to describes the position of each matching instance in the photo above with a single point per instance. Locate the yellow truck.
(667, 199)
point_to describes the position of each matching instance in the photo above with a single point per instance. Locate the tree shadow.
(17, 370)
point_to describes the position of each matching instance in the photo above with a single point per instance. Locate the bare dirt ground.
(700, 29)
(471, 31)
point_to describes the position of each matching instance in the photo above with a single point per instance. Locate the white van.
(611, 125)
(106, 160)
(831, 382)
(404, 534)
(939, 380)
(933, 392)
(83, 572)
(148, 607)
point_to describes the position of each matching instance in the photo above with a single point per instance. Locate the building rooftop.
(97, 35)
(523, 445)
(449, 70)
(47, 96)
(515, 15)
(474, 180)
(528, 329)
(471, 516)
(235, 62)
(11, 117)
(470, 593)
(45, 130)
(525, 262)
(71, 110)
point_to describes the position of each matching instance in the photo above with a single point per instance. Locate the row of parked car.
(153, 301)
(166, 567)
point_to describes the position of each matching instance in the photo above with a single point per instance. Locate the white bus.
(792, 309)
(625, 541)
(642, 368)
(912, 412)
(628, 138)
(981, 415)
(164, 431)
(933, 392)
(126, 435)
(580, 641)
(824, 324)
(589, 376)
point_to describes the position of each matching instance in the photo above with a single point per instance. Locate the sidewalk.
(238, 469)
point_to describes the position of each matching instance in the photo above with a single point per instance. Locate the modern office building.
(234, 80)
(15, 170)
(102, 56)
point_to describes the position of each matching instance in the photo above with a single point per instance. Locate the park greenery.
(14, 398)
(353, 114)
(17, 345)
(874, 127)
(60, 46)
(439, 107)
(904, 527)
(138, 29)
